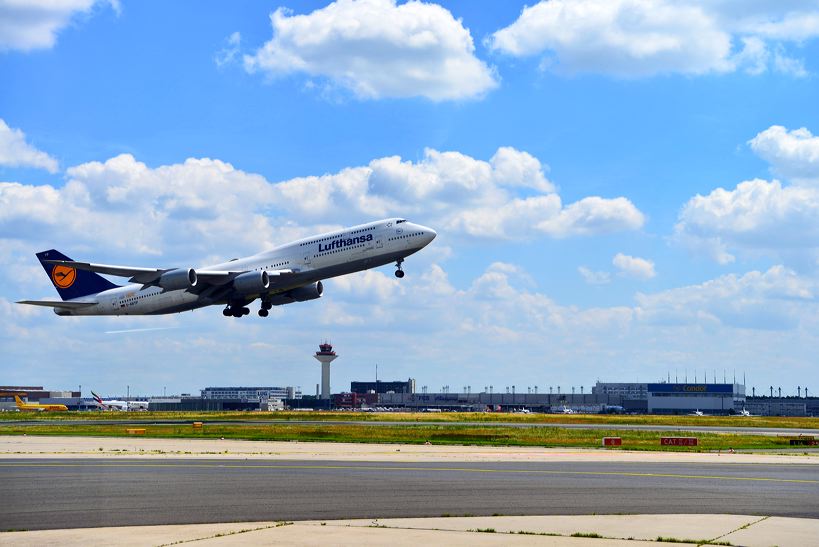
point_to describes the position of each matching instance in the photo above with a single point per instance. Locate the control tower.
(325, 356)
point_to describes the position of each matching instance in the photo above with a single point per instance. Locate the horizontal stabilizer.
(57, 304)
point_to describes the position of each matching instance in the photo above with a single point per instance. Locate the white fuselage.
(305, 261)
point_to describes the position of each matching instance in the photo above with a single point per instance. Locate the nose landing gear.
(399, 273)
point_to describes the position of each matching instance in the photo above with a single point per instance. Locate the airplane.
(745, 414)
(289, 273)
(115, 404)
(566, 410)
(697, 412)
(37, 407)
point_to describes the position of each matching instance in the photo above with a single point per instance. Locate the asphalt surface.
(78, 493)
(769, 431)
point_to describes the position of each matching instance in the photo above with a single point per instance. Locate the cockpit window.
(400, 221)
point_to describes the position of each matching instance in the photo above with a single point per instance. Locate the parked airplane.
(37, 407)
(566, 410)
(114, 404)
(744, 413)
(697, 412)
(285, 274)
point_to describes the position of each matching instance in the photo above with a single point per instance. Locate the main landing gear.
(399, 273)
(235, 311)
(263, 312)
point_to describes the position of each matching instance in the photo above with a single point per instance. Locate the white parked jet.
(114, 404)
(285, 274)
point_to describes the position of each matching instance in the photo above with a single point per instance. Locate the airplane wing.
(57, 303)
(216, 283)
(146, 276)
(137, 275)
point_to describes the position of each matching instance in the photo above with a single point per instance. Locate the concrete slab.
(127, 535)
(777, 531)
(303, 535)
(643, 527)
(616, 531)
(94, 447)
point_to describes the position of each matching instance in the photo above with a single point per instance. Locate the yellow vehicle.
(37, 407)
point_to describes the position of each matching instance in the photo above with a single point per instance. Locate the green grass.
(322, 416)
(412, 434)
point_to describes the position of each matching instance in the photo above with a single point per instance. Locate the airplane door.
(379, 242)
(307, 259)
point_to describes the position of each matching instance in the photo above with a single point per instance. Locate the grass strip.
(415, 434)
(398, 417)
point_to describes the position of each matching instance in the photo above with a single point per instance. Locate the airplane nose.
(429, 234)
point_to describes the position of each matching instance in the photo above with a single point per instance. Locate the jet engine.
(251, 282)
(300, 294)
(178, 279)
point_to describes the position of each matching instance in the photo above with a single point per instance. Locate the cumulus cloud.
(207, 207)
(16, 152)
(377, 49)
(792, 154)
(461, 194)
(633, 38)
(634, 267)
(593, 277)
(760, 216)
(776, 299)
(34, 24)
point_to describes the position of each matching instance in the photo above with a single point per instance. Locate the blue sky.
(622, 189)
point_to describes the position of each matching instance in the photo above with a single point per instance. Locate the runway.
(76, 493)
(768, 431)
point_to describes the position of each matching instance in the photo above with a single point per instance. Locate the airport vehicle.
(289, 273)
(114, 404)
(37, 407)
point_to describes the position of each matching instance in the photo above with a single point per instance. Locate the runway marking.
(409, 468)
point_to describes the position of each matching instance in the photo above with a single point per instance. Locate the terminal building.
(257, 394)
(380, 387)
(640, 398)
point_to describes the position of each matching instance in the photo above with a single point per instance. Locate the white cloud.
(460, 194)
(632, 38)
(776, 299)
(228, 54)
(756, 215)
(16, 152)
(792, 154)
(621, 37)
(634, 267)
(34, 24)
(759, 216)
(207, 209)
(594, 277)
(377, 49)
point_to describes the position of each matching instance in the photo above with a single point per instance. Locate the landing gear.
(235, 311)
(399, 273)
(263, 312)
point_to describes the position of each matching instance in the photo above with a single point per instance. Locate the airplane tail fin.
(70, 282)
(98, 399)
(18, 401)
